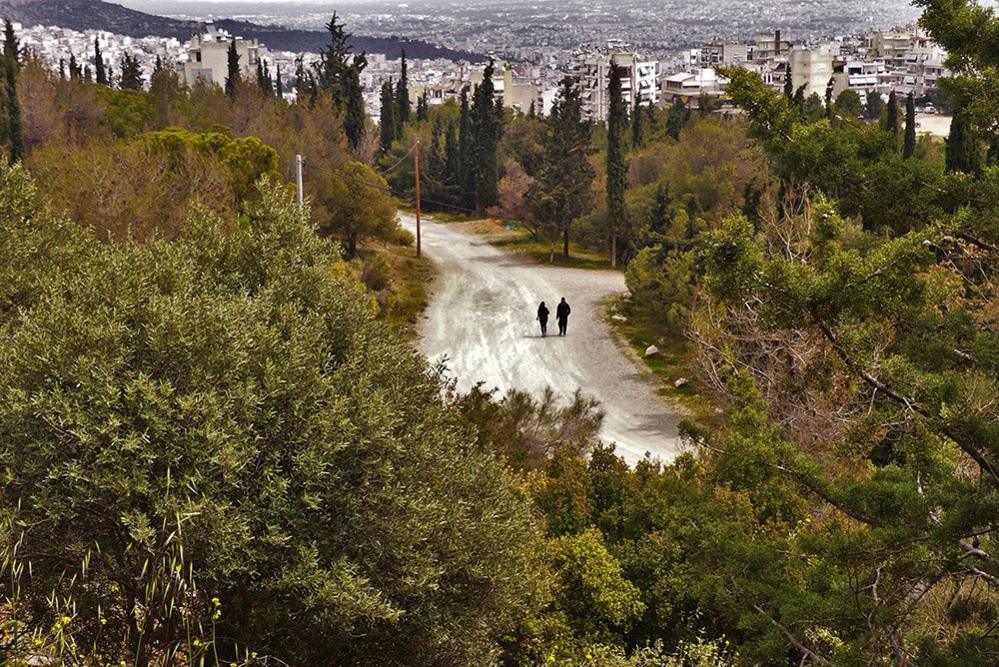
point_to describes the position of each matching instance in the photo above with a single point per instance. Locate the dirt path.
(481, 318)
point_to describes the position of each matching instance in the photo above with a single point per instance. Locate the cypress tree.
(788, 84)
(532, 111)
(466, 155)
(891, 117)
(829, 99)
(74, 68)
(909, 147)
(11, 47)
(452, 161)
(676, 118)
(961, 153)
(486, 130)
(62, 69)
(233, 76)
(617, 169)
(88, 74)
(280, 85)
(15, 133)
(637, 131)
(261, 77)
(402, 97)
(158, 67)
(102, 75)
(387, 122)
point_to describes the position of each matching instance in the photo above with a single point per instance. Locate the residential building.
(208, 56)
(639, 81)
(811, 68)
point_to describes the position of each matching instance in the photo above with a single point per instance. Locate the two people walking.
(561, 316)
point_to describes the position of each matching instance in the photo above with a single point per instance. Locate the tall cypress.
(466, 154)
(617, 169)
(788, 84)
(637, 129)
(131, 73)
(15, 133)
(101, 72)
(486, 128)
(387, 122)
(909, 147)
(261, 77)
(891, 115)
(280, 85)
(452, 161)
(402, 97)
(829, 98)
(233, 76)
(962, 151)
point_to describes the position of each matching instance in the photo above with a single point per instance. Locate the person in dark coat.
(562, 315)
(543, 318)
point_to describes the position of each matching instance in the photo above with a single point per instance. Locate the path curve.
(481, 319)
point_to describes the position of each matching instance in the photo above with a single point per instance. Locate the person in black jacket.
(562, 315)
(543, 318)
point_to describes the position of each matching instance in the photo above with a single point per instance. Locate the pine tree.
(402, 97)
(617, 168)
(387, 123)
(233, 76)
(637, 131)
(561, 190)
(131, 73)
(466, 154)
(339, 73)
(486, 128)
(102, 75)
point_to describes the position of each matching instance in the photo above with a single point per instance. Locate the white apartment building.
(692, 87)
(640, 81)
(207, 56)
(811, 68)
(770, 47)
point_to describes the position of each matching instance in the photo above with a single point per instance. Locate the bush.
(663, 283)
(211, 438)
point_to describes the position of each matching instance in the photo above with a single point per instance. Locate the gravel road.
(481, 318)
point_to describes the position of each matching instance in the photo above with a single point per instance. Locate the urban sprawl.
(902, 60)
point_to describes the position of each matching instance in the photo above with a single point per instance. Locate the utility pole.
(416, 161)
(298, 182)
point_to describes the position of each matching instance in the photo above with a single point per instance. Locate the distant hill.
(97, 15)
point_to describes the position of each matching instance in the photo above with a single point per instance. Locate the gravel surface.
(481, 319)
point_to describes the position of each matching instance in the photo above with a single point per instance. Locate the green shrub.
(211, 438)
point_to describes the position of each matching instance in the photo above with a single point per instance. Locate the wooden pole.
(300, 191)
(416, 160)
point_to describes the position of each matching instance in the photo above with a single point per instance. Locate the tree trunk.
(613, 249)
(565, 243)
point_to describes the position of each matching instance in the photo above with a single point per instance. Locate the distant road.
(481, 318)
